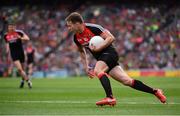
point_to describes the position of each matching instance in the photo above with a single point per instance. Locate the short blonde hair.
(75, 17)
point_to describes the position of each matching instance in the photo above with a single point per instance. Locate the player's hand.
(90, 72)
(95, 49)
(92, 47)
(18, 36)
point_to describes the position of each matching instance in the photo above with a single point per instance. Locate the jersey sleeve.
(21, 33)
(96, 29)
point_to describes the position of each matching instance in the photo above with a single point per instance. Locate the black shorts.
(18, 55)
(110, 57)
(30, 60)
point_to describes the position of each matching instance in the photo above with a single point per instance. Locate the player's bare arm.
(109, 38)
(83, 57)
(25, 37)
(85, 62)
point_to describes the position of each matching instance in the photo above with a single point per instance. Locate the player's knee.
(97, 72)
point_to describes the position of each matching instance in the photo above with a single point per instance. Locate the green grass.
(77, 96)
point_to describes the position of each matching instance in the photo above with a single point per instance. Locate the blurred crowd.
(147, 37)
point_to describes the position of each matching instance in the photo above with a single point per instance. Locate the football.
(95, 41)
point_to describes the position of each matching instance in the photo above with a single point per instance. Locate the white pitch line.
(83, 102)
(51, 102)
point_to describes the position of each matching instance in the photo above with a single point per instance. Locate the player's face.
(73, 27)
(11, 28)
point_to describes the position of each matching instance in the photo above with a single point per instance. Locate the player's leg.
(22, 59)
(21, 71)
(30, 69)
(100, 70)
(10, 68)
(120, 75)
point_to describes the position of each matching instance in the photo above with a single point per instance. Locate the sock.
(22, 81)
(29, 81)
(106, 84)
(138, 85)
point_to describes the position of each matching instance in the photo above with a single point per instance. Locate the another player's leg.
(21, 83)
(28, 81)
(99, 70)
(30, 69)
(120, 75)
(23, 74)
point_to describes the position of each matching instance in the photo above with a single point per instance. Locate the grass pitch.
(77, 96)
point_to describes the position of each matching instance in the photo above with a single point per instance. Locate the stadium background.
(147, 38)
(147, 35)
